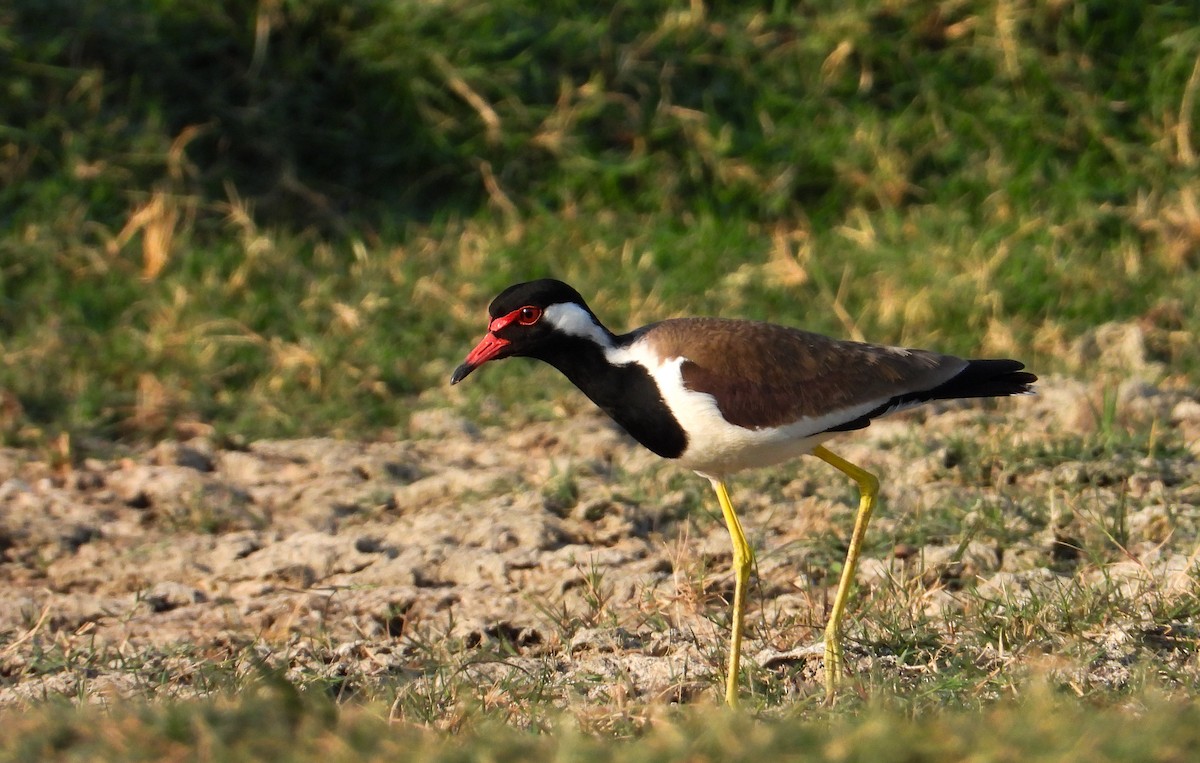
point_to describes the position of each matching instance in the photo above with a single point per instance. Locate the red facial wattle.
(491, 346)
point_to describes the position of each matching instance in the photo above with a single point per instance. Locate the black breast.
(626, 393)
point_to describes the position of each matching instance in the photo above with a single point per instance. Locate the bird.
(720, 395)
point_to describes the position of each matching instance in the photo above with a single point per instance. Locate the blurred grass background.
(284, 218)
(261, 725)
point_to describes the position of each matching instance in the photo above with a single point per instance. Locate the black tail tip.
(1002, 377)
(988, 377)
(1024, 381)
(1013, 372)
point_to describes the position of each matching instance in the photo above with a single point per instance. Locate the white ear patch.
(571, 319)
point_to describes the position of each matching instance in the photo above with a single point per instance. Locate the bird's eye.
(529, 316)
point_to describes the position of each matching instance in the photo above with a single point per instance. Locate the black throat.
(626, 393)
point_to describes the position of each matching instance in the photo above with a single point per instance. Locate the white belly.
(720, 458)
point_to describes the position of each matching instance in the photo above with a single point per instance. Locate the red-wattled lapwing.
(718, 396)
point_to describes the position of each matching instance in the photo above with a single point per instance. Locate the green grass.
(299, 231)
(273, 722)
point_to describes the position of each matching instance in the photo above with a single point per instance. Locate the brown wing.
(764, 375)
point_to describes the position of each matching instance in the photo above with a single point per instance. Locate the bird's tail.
(986, 378)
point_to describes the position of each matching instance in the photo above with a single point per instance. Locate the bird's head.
(529, 320)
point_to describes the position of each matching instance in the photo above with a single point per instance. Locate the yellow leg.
(743, 560)
(868, 488)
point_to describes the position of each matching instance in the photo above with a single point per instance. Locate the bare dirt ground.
(574, 553)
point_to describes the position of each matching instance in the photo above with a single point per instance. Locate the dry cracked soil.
(563, 550)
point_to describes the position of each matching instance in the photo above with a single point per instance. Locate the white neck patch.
(571, 319)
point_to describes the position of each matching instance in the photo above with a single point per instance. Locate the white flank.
(717, 448)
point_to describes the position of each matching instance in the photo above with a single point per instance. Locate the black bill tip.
(460, 373)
